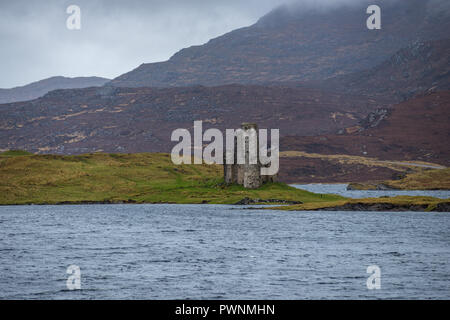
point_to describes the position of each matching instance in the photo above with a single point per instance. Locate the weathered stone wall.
(248, 175)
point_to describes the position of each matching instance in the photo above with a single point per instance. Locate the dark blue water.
(214, 252)
(341, 189)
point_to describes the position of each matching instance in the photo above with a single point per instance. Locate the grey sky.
(116, 35)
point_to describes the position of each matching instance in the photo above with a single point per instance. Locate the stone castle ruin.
(246, 172)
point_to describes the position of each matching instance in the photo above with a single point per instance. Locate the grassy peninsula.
(130, 178)
(437, 179)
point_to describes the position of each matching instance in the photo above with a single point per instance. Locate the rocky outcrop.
(443, 207)
(373, 119)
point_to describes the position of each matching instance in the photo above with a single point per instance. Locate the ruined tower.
(248, 173)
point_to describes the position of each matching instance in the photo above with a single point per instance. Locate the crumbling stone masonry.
(248, 175)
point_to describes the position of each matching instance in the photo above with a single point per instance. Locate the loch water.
(170, 251)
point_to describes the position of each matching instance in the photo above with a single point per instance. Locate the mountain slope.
(420, 67)
(39, 88)
(298, 44)
(417, 129)
(142, 119)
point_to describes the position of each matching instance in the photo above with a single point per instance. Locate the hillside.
(301, 167)
(125, 178)
(420, 67)
(142, 119)
(297, 43)
(417, 129)
(39, 88)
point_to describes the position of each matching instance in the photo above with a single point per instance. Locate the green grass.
(141, 178)
(424, 180)
(438, 179)
(14, 153)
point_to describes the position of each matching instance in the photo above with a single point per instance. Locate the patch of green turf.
(424, 180)
(14, 153)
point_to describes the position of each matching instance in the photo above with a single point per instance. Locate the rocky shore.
(398, 204)
(440, 207)
(247, 201)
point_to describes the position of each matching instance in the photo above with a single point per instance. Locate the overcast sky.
(115, 37)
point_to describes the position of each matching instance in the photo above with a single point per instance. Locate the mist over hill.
(39, 88)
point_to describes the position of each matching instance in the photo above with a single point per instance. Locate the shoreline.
(388, 207)
(363, 205)
(382, 204)
(373, 186)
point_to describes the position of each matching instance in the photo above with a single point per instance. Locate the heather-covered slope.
(420, 67)
(417, 129)
(299, 44)
(142, 119)
(39, 88)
